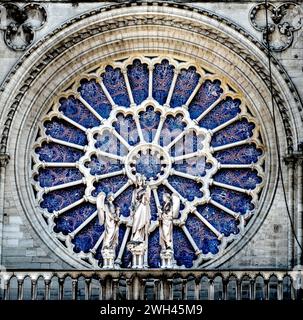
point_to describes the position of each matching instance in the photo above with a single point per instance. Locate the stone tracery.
(185, 129)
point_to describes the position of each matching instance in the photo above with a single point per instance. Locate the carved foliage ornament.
(20, 23)
(282, 22)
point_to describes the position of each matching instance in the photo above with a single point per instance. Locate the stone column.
(197, 288)
(280, 289)
(4, 159)
(211, 290)
(225, 289)
(34, 289)
(252, 293)
(87, 288)
(61, 288)
(239, 289)
(299, 225)
(74, 288)
(290, 162)
(266, 288)
(136, 288)
(20, 288)
(47, 283)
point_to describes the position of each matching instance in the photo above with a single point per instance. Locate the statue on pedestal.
(140, 216)
(109, 217)
(168, 212)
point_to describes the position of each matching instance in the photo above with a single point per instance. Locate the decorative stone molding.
(283, 21)
(20, 23)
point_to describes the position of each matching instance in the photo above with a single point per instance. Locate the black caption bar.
(111, 310)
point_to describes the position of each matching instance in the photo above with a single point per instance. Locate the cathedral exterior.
(151, 150)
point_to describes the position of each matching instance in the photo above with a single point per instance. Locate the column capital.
(4, 159)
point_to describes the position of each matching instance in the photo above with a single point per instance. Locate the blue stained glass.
(51, 152)
(172, 127)
(107, 142)
(126, 127)
(195, 166)
(205, 239)
(162, 78)
(149, 166)
(222, 221)
(237, 131)
(186, 82)
(108, 185)
(92, 93)
(153, 208)
(245, 154)
(187, 144)
(242, 178)
(114, 82)
(76, 111)
(57, 200)
(98, 256)
(88, 236)
(149, 122)
(56, 176)
(154, 249)
(124, 200)
(236, 201)
(224, 111)
(59, 129)
(183, 252)
(188, 189)
(102, 165)
(126, 257)
(138, 76)
(208, 93)
(72, 219)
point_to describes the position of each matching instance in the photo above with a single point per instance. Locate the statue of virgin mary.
(140, 211)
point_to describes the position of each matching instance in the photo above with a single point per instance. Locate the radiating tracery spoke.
(185, 130)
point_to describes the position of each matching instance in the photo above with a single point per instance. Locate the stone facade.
(219, 33)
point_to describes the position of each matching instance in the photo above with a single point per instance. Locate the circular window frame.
(95, 74)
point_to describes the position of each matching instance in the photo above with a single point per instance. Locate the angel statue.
(108, 216)
(140, 216)
(169, 211)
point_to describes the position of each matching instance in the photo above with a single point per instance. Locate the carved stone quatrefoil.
(283, 20)
(20, 23)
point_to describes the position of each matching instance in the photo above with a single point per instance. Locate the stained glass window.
(185, 129)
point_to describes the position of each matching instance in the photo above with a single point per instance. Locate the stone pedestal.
(138, 252)
(108, 258)
(167, 258)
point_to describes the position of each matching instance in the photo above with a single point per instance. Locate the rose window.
(182, 127)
